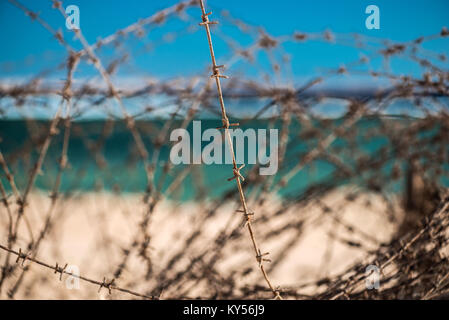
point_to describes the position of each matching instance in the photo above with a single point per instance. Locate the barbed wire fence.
(402, 160)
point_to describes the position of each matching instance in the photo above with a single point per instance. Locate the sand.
(90, 230)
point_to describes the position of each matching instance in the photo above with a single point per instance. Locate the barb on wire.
(109, 285)
(365, 159)
(236, 170)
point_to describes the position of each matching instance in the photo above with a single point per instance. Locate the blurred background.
(362, 116)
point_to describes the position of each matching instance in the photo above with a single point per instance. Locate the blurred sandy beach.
(91, 228)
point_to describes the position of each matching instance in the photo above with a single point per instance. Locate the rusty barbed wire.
(236, 170)
(393, 166)
(103, 284)
(66, 95)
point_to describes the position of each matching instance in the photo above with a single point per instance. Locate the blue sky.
(28, 48)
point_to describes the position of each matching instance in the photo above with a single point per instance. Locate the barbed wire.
(326, 165)
(110, 285)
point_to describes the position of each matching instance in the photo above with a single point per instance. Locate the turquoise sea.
(116, 166)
